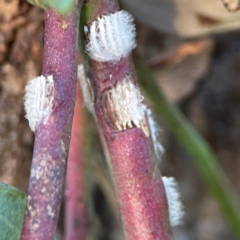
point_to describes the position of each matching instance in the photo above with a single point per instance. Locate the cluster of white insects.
(110, 38)
(38, 100)
(124, 104)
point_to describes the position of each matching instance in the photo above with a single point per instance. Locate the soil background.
(201, 75)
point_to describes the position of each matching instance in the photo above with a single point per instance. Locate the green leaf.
(60, 6)
(12, 207)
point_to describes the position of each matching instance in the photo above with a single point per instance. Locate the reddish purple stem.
(75, 212)
(140, 190)
(52, 139)
(139, 186)
(141, 194)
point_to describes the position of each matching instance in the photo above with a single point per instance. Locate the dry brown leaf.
(177, 54)
(179, 70)
(187, 18)
(231, 5)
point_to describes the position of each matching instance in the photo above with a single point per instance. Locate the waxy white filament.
(175, 206)
(155, 131)
(127, 103)
(38, 100)
(111, 37)
(86, 88)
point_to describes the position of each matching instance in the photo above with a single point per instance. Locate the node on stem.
(124, 108)
(87, 92)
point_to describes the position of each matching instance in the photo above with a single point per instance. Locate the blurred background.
(193, 48)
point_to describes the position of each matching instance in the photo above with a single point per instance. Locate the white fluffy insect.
(155, 131)
(86, 88)
(38, 100)
(175, 206)
(111, 37)
(124, 106)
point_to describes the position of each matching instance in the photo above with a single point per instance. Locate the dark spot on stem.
(108, 109)
(112, 136)
(76, 224)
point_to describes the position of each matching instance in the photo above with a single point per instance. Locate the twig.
(121, 117)
(75, 212)
(52, 135)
